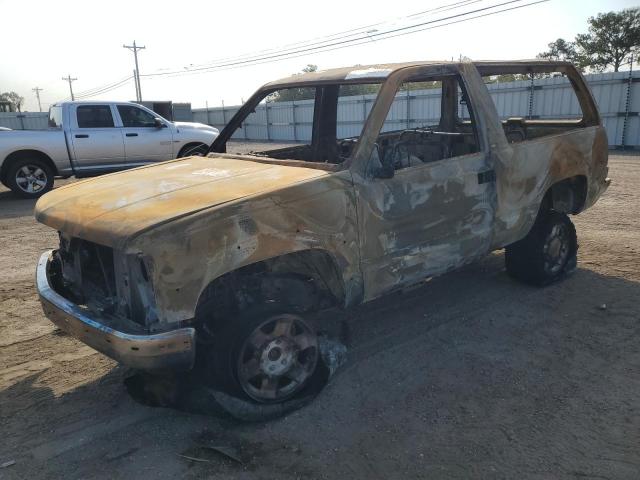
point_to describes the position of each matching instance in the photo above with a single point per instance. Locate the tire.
(546, 254)
(266, 355)
(29, 177)
(193, 149)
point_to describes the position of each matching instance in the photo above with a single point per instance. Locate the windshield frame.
(220, 143)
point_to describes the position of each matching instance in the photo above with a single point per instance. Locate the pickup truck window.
(55, 117)
(94, 116)
(135, 117)
(431, 131)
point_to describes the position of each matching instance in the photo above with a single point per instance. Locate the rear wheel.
(547, 253)
(29, 177)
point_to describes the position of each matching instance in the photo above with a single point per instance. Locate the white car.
(90, 138)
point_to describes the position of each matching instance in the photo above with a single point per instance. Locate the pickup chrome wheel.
(29, 177)
(277, 358)
(548, 252)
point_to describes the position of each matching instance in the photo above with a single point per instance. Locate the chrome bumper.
(174, 349)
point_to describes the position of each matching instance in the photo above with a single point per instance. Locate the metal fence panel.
(25, 121)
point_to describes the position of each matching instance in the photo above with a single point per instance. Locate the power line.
(332, 37)
(105, 90)
(70, 80)
(306, 47)
(38, 90)
(255, 56)
(322, 47)
(134, 48)
(92, 91)
(374, 40)
(400, 31)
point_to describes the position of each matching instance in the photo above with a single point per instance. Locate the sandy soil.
(468, 376)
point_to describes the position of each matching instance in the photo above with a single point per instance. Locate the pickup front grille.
(88, 272)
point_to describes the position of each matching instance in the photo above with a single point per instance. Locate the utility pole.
(69, 79)
(38, 90)
(135, 84)
(134, 48)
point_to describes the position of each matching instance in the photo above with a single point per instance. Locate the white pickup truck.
(91, 138)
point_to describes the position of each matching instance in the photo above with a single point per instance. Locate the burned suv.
(231, 254)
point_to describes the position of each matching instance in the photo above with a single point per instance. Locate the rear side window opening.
(94, 116)
(538, 101)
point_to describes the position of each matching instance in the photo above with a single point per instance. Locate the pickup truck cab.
(234, 255)
(91, 138)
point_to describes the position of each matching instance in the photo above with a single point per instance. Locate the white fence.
(24, 121)
(617, 95)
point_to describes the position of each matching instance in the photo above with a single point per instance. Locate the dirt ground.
(469, 376)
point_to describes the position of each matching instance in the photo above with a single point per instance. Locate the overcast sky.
(43, 41)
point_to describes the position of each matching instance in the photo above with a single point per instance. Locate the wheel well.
(306, 280)
(22, 154)
(190, 145)
(567, 196)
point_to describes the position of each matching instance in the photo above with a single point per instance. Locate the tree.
(12, 97)
(560, 50)
(612, 39)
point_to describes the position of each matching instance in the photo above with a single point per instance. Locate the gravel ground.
(469, 376)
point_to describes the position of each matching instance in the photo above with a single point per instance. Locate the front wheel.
(191, 149)
(29, 177)
(269, 357)
(547, 253)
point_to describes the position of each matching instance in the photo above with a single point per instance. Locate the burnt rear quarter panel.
(526, 170)
(189, 253)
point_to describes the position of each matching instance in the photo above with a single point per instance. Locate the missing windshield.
(319, 124)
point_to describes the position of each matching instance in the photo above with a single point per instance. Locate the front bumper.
(174, 349)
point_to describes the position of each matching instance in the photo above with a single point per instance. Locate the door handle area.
(131, 134)
(486, 176)
(82, 135)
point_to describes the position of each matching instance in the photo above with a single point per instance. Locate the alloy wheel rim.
(31, 179)
(556, 249)
(277, 358)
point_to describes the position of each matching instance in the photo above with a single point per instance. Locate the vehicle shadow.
(474, 370)
(12, 206)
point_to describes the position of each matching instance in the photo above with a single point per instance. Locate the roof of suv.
(376, 72)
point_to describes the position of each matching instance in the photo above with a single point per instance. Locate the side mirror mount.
(158, 123)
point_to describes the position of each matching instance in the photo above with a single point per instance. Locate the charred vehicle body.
(230, 255)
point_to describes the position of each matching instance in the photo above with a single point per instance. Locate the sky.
(44, 41)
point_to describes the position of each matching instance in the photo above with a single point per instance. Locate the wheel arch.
(188, 146)
(306, 279)
(18, 154)
(566, 196)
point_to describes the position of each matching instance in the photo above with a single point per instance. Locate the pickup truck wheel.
(29, 177)
(547, 253)
(265, 356)
(193, 149)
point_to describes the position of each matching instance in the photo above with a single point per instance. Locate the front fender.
(190, 253)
